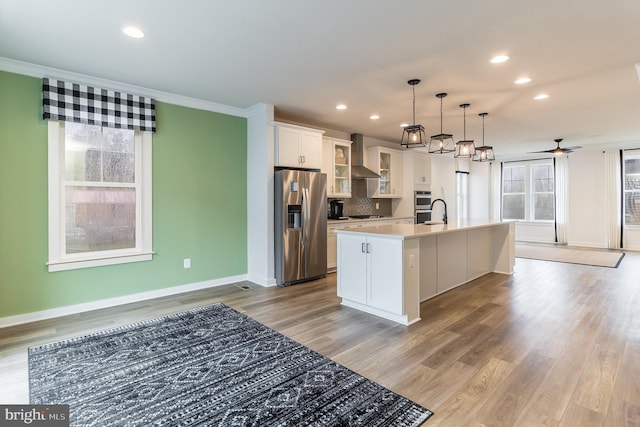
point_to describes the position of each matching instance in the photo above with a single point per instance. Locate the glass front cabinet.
(387, 163)
(337, 165)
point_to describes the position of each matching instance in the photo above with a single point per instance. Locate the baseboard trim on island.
(404, 319)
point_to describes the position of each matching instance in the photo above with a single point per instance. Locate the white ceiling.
(305, 57)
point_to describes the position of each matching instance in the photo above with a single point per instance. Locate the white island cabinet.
(373, 278)
(387, 270)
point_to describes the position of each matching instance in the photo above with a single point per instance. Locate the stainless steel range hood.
(358, 170)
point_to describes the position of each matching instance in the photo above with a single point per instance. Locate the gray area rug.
(584, 256)
(211, 366)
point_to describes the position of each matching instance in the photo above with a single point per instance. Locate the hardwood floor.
(555, 344)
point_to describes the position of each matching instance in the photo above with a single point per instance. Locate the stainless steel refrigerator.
(300, 226)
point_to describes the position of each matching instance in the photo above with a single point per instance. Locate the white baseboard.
(111, 302)
(262, 281)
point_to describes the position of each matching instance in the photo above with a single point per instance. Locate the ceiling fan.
(558, 151)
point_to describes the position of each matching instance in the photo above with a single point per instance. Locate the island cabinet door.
(352, 274)
(385, 274)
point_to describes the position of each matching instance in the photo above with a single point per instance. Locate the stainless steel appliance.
(422, 206)
(300, 226)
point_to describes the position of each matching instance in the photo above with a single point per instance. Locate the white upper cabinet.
(421, 169)
(297, 146)
(337, 165)
(387, 162)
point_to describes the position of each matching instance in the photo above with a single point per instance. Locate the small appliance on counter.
(336, 210)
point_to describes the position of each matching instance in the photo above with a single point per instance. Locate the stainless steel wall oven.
(422, 206)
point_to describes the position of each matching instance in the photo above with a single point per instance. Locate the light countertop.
(350, 220)
(408, 231)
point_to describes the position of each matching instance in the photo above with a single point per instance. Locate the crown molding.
(40, 71)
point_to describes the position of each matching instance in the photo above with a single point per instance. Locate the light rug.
(595, 257)
(211, 366)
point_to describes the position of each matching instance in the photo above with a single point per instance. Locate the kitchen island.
(387, 270)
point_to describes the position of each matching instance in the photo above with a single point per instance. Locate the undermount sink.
(432, 222)
(366, 216)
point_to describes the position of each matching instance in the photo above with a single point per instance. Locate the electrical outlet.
(411, 261)
(187, 263)
(377, 205)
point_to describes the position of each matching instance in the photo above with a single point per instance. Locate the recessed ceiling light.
(341, 107)
(374, 117)
(499, 59)
(523, 80)
(404, 125)
(133, 32)
(541, 96)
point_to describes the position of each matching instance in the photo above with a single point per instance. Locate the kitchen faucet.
(444, 215)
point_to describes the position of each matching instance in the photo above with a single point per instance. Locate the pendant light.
(413, 135)
(484, 153)
(441, 143)
(465, 148)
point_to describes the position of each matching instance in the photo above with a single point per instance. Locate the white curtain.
(495, 191)
(612, 171)
(562, 199)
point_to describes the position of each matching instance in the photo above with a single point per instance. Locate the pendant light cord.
(464, 124)
(440, 115)
(414, 104)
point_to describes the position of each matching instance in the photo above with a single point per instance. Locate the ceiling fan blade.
(558, 148)
(543, 151)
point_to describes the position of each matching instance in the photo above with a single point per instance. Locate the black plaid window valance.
(73, 102)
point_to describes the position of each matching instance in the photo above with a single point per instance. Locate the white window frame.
(529, 193)
(462, 187)
(632, 154)
(59, 260)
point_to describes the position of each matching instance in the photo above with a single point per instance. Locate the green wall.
(199, 206)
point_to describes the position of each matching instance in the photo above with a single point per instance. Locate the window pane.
(99, 218)
(632, 208)
(513, 206)
(513, 179)
(543, 207)
(118, 155)
(543, 178)
(82, 143)
(99, 155)
(632, 173)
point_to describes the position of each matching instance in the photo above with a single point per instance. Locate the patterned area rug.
(210, 366)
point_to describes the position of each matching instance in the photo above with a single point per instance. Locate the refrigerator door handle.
(305, 215)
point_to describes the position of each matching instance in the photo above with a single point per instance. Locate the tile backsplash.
(360, 204)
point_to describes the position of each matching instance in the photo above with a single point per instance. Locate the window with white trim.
(99, 175)
(99, 195)
(462, 193)
(528, 191)
(631, 171)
